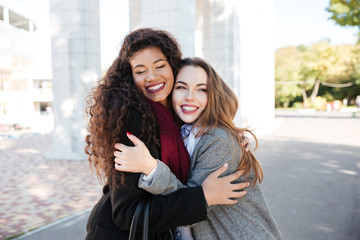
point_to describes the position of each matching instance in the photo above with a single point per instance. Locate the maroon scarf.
(173, 150)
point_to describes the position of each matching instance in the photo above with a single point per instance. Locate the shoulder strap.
(134, 220)
(146, 221)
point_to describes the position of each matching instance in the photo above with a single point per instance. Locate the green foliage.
(287, 62)
(298, 105)
(319, 103)
(345, 13)
(302, 71)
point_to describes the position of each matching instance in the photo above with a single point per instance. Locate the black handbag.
(135, 219)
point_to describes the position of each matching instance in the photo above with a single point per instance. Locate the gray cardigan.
(250, 218)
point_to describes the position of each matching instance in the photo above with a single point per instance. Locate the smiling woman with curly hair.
(133, 98)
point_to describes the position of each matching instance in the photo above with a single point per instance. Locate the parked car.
(16, 126)
(4, 127)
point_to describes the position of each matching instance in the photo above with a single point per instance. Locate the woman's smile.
(153, 88)
(189, 109)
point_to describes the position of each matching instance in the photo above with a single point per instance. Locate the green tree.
(287, 68)
(345, 13)
(303, 71)
(329, 65)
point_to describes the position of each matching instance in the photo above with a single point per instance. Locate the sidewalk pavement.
(36, 191)
(69, 228)
(312, 173)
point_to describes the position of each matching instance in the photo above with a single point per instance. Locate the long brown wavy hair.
(109, 104)
(220, 112)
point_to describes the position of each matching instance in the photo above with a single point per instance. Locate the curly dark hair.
(109, 104)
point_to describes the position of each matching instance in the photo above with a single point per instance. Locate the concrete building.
(234, 36)
(75, 41)
(228, 33)
(24, 99)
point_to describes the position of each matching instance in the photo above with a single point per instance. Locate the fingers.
(219, 171)
(238, 194)
(121, 149)
(117, 160)
(120, 146)
(240, 186)
(117, 154)
(120, 167)
(231, 201)
(247, 147)
(245, 142)
(134, 139)
(233, 176)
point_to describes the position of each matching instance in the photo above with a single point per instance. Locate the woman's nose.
(189, 95)
(150, 76)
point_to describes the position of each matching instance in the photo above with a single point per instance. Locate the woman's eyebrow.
(181, 82)
(159, 60)
(201, 84)
(139, 65)
(156, 61)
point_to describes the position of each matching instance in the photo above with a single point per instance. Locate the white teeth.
(188, 108)
(156, 87)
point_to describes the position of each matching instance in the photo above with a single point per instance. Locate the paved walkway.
(35, 191)
(312, 175)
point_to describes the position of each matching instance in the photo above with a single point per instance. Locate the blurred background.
(287, 61)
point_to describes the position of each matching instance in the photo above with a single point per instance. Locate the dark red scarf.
(173, 150)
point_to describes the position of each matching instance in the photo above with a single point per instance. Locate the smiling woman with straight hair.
(207, 108)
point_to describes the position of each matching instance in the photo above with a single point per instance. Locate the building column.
(75, 43)
(176, 16)
(239, 45)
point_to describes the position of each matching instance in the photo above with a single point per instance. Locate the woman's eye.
(203, 90)
(139, 72)
(160, 66)
(180, 87)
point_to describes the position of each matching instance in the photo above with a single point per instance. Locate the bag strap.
(134, 220)
(146, 221)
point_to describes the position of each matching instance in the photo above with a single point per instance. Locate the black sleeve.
(183, 207)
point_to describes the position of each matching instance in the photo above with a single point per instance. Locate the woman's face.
(189, 97)
(152, 74)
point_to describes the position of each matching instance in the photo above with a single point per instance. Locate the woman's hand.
(135, 159)
(220, 190)
(245, 142)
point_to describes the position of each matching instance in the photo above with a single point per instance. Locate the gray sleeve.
(163, 181)
(214, 150)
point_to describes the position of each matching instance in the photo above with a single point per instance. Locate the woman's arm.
(183, 207)
(163, 181)
(138, 159)
(214, 150)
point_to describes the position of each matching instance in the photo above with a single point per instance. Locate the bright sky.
(306, 22)
(296, 22)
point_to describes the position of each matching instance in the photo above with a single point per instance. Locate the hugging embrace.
(161, 131)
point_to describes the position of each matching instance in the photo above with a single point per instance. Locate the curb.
(43, 228)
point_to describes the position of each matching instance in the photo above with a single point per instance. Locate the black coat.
(111, 216)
